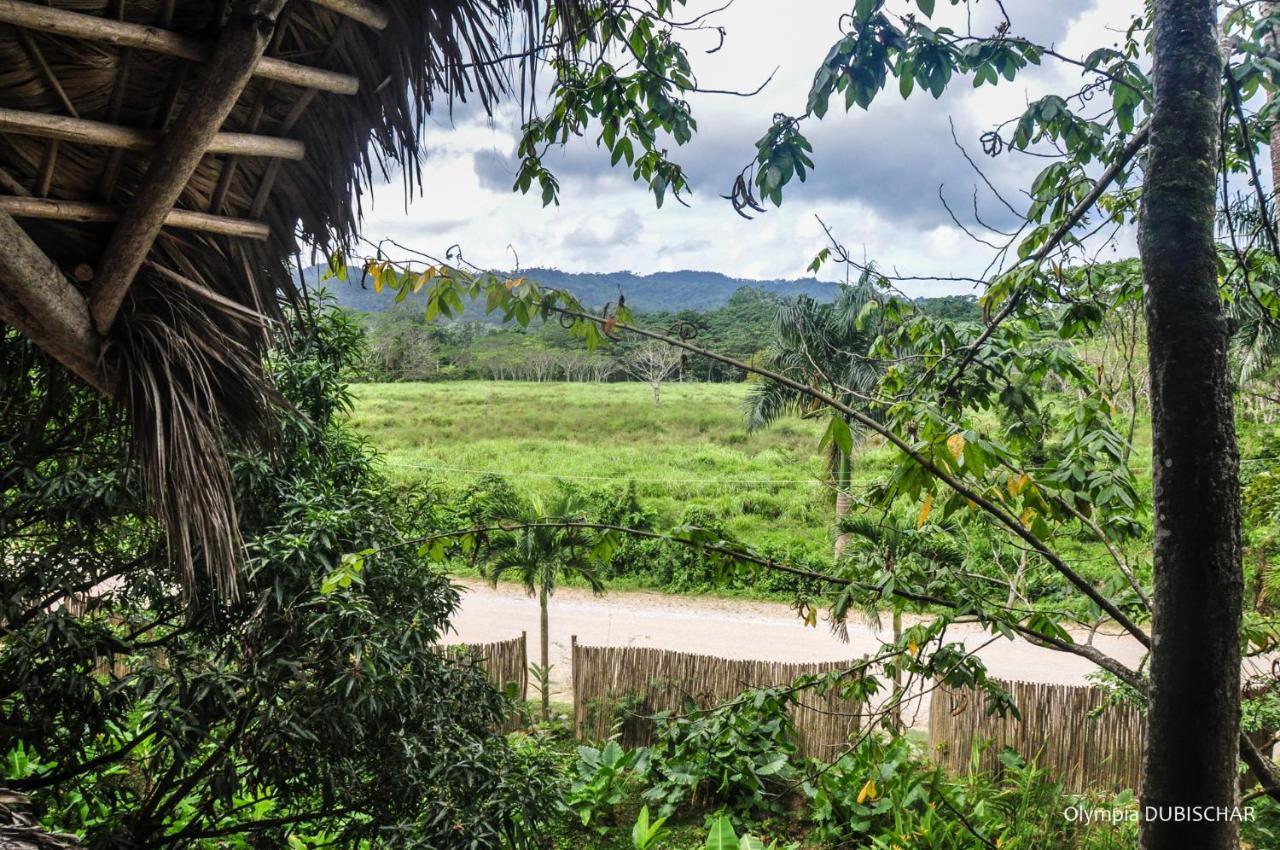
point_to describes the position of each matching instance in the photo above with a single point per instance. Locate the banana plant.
(720, 836)
(645, 835)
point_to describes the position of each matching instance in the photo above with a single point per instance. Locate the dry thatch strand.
(240, 46)
(20, 831)
(349, 81)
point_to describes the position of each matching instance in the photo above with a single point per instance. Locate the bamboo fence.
(504, 663)
(616, 686)
(1062, 729)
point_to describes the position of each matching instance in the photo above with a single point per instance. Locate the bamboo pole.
(89, 212)
(361, 11)
(240, 45)
(102, 134)
(122, 34)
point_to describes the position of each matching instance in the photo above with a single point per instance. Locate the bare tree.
(602, 367)
(652, 362)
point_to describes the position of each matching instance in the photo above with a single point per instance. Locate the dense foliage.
(310, 707)
(711, 771)
(405, 347)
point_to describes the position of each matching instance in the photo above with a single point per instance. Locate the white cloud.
(876, 183)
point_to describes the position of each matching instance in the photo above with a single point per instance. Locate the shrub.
(738, 754)
(600, 785)
(884, 794)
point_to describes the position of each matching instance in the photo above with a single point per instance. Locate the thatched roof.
(120, 116)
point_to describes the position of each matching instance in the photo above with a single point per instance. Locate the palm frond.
(193, 385)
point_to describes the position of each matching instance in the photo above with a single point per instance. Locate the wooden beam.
(122, 34)
(370, 14)
(240, 45)
(88, 212)
(106, 135)
(38, 300)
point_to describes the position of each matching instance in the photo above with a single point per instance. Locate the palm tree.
(540, 554)
(888, 543)
(819, 344)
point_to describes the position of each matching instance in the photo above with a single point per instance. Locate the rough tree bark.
(1193, 722)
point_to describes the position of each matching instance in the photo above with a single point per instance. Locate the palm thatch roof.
(161, 162)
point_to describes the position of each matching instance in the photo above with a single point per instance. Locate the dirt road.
(729, 628)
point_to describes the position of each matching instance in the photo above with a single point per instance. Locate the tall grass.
(690, 451)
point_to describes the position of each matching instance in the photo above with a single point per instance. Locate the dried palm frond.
(192, 380)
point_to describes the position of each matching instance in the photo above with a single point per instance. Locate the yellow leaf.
(924, 510)
(1027, 515)
(956, 443)
(424, 279)
(912, 646)
(868, 792)
(1016, 485)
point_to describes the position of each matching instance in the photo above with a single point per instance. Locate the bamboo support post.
(240, 46)
(361, 11)
(122, 34)
(89, 212)
(38, 300)
(102, 134)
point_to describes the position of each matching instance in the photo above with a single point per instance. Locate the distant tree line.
(404, 347)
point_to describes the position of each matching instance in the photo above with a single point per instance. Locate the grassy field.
(690, 450)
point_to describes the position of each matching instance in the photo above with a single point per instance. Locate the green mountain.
(647, 293)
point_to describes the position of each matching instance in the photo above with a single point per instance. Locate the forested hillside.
(666, 291)
(403, 346)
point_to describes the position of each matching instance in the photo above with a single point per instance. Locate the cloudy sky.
(877, 183)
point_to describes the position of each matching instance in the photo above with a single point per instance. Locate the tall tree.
(1193, 723)
(822, 345)
(540, 555)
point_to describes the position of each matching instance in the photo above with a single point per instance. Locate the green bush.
(883, 794)
(601, 781)
(738, 755)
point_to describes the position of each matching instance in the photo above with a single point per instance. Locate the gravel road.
(730, 628)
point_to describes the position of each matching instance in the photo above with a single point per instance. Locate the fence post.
(574, 686)
(524, 666)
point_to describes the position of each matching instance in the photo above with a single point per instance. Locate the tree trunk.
(1272, 41)
(1193, 722)
(545, 678)
(844, 502)
(657, 391)
(897, 672)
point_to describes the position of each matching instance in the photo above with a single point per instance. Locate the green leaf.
(721, 835)
(839, 435)
(926, 7)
